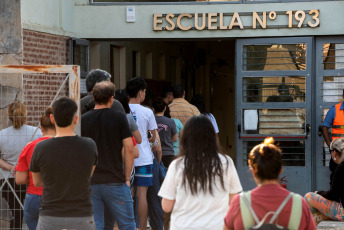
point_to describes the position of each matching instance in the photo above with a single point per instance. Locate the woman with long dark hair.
(260, 205)
(201, 182)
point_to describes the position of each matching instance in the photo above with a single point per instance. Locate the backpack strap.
(279, 209)
(296, 212)
(248, 216)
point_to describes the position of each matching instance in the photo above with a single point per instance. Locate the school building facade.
(266, 68)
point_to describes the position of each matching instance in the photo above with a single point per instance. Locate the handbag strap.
(279, 209)
(296, 212)
(250, 218)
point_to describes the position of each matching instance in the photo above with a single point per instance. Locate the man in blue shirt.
(334, 119)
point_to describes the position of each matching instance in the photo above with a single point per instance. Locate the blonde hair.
(17, 114)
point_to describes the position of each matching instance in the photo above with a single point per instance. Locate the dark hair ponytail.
(45, 120)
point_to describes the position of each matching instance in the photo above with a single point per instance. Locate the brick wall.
(40, 89)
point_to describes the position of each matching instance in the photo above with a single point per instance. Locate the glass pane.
(274, 57)
(332, 90)
(333, 56)
(293, 151)
(274, 121)
(274, 89)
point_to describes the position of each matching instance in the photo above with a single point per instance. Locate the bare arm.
(128, 156)
(94, 167)
(137, 136)
(136, 151)
(217, 139)
(37, 179)
(154, 134)
(174, 137)
(326, 135)
(225, 228)
(22, 177)
(157, 148)
(167, 205)
(231, 196)
(5, 165)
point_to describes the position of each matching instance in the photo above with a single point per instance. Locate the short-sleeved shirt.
(145, 120)
(203, 210)
(166, 128)
(65, 164)
(267, 198)
(87, 103)
(182, 110)
(179, 127)
(12, 142)
(24, 164)
(108, 129)
(132, 124)
(330, 116)
(213, 122)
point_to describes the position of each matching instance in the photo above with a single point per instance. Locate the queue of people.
(113, 175)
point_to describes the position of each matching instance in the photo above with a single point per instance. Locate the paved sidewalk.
(333, 225)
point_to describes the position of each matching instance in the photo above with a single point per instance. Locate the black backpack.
(251, 221)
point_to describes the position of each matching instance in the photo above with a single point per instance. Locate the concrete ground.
(333, 225)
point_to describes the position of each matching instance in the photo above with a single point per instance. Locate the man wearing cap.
(334, 119)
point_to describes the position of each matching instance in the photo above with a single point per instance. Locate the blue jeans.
(32, 205)
(154, 201)
(116, 197)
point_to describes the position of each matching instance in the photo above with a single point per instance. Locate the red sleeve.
(233, 214)
(134, 141)
(22, 162)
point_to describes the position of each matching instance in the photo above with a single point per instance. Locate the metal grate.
(274, 89)
(333, 56)
(275, 121)
(332, 88)
(274, 57)
(32, 94)
(293, 152)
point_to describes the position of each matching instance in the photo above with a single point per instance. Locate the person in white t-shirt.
(145, 120)
(199, 102)
(201, 182)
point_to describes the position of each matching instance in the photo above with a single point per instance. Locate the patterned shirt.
(182, 110)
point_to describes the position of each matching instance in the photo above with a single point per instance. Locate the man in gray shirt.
(93, 77)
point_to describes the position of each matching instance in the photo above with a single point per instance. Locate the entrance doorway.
(273, 98)
(284, 89)
(204, 67)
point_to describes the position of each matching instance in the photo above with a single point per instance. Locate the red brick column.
(40, 89)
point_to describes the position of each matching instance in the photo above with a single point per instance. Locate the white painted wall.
(79, 19)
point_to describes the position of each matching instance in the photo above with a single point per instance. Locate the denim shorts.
(144, 175)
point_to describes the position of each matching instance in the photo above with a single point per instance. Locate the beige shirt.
(182, 110)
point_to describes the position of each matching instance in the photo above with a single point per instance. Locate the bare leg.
(142, 206)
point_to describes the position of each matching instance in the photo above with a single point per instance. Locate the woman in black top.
(328, 205)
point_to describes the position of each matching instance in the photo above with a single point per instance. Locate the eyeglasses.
(334, 149)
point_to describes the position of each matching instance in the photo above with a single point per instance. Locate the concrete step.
(329, 224)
